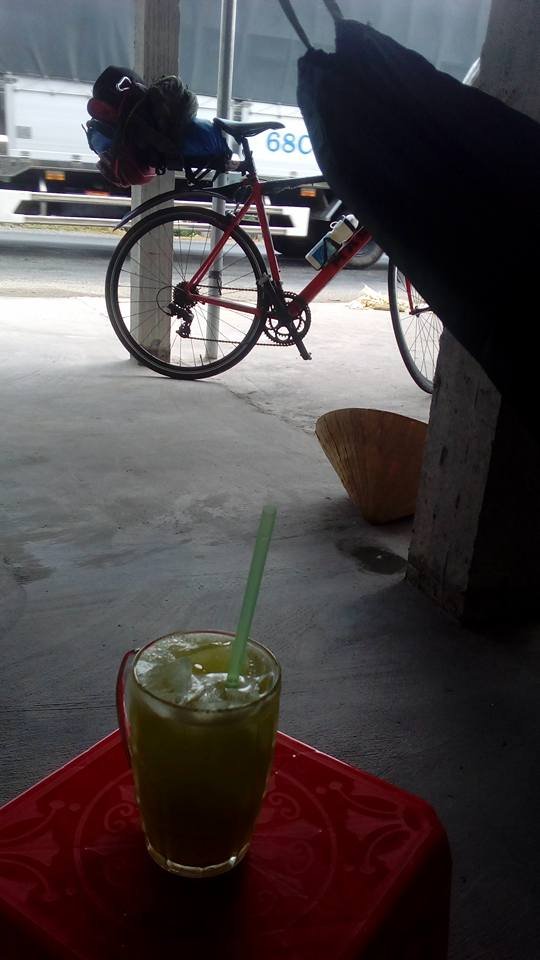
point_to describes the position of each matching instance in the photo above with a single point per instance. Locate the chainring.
(277, 331)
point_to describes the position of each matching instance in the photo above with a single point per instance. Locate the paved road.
(41, 263)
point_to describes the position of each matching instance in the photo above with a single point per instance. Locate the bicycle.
(189, 294)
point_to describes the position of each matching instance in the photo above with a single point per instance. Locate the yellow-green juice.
(201, 753)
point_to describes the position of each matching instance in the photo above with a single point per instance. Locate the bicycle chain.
(237, 342)
(274, 343)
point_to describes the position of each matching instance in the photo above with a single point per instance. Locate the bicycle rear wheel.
(417, 328)
(164, 321)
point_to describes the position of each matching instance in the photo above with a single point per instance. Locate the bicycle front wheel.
(174, 314)
(416, 327)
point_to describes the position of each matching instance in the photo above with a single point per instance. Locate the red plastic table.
(342, 866)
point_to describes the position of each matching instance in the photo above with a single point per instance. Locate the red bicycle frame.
(350, 248)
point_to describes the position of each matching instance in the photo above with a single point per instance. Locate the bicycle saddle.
(238, 129)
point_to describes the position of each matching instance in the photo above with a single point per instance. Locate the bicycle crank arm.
(299, 343)
(275, 298)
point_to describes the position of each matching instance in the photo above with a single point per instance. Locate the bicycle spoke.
(417, 329)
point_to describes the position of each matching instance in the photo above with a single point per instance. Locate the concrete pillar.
(510, 64)
(474, 548)
(157, 34)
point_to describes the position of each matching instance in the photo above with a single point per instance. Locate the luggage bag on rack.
(139, 131)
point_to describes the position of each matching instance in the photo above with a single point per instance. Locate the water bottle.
(328, 246)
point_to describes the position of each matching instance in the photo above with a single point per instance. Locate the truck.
(47, 72)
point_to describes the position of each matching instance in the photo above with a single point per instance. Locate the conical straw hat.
(377, 456)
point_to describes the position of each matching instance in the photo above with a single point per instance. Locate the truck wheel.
(366, 257)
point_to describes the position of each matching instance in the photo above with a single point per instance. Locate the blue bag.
(203, 147)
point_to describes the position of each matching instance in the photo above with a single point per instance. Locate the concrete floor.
(130, 504)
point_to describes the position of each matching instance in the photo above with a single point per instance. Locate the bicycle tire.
(184, 224)
(417, 334)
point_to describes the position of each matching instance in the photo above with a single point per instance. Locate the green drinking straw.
(251, 593)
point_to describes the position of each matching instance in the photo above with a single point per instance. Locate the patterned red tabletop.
(342, 865)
